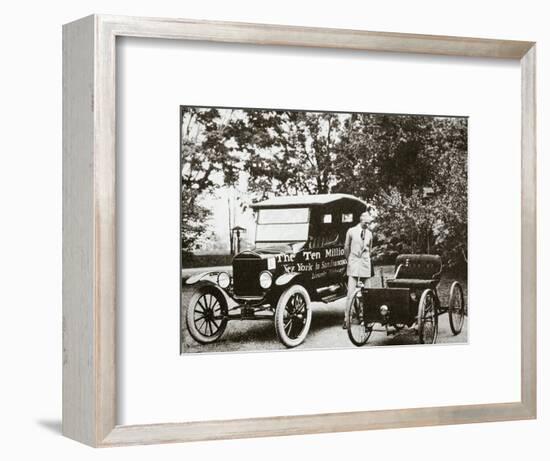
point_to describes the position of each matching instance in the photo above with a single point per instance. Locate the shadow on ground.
(52, 425)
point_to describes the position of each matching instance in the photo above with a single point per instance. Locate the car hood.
(264, 253)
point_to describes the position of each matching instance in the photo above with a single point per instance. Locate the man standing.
(357, 250)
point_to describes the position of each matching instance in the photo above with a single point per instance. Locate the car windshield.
(283, 216)
(282, 225)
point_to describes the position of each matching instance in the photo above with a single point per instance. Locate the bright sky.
(220, 202)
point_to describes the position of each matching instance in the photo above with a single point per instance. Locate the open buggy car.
(298, 258)
(410, 298)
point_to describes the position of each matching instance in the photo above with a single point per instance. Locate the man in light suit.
(357, 250)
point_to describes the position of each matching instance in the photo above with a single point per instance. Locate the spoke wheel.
(293, 316)
(206, 315)
(457, 309)
(427, 318)
(358, 330)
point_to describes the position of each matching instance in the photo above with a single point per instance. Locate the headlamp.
(266, 279)
(224, 280)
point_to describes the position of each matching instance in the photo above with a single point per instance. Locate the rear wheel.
(456, 308)
(293, 316)
(358, 330)
(427, 318)
(206, 315)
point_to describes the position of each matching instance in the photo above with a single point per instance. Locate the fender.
(208, 285)
(208, 280)
(203, 277)
(285, 279)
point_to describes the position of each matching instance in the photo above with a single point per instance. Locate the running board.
(331, 288)
(333, 297)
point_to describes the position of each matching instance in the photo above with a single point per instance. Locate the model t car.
(411, 298)
(298, 258)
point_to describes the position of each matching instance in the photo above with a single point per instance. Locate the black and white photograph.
(308, 229)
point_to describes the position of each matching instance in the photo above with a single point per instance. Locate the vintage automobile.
(410, 298)
(298, 258)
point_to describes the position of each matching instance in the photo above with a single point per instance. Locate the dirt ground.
(326, 330)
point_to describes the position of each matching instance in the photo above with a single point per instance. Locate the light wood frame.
(89, 246)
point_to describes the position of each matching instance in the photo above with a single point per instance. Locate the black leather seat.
(412, 283)
(416, 271)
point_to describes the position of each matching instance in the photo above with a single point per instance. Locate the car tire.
(206, 315)
(293, 316)
(359, 332)
(428, 320)
(456, 308)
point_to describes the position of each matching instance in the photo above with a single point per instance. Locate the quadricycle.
(410, 299)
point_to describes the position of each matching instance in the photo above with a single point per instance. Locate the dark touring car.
(298, 258)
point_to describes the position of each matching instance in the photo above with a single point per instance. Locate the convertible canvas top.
(304, 200)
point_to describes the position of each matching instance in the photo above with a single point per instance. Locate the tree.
(208, 160)
(288, 152)
(379, 151)
(410, 221)
(387, 160)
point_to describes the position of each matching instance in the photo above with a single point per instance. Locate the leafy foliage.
(288, 152)
(206, 160)
(426, 209)
(390, 161)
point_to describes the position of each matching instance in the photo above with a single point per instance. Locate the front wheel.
(456, 308)
(293, 316)
(358, 330)
(206, 315)
(427, 318)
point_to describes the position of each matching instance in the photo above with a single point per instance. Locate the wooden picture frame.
(89, 220)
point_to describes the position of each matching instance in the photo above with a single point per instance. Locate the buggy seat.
(416, 271)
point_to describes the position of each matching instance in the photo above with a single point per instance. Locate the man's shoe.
(345, 325)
